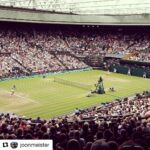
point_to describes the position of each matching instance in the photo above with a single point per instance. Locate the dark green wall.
(135, 71)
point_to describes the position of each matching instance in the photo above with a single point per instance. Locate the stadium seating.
(32, 50)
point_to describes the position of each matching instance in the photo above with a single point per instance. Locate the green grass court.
(36, 96)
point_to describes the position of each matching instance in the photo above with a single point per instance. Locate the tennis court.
(37, 96)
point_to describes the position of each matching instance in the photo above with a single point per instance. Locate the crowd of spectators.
(143, 56)
(30, 49)
(118, 125)
(114, 42)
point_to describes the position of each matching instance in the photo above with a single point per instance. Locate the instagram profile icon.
(13, 145)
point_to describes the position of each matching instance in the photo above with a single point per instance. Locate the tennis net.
(73, 83)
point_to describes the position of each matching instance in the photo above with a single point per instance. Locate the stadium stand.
(48, 50)
(119, 125)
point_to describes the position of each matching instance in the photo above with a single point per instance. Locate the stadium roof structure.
(93, 7)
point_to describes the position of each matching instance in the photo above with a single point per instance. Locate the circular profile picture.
(13, 145)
